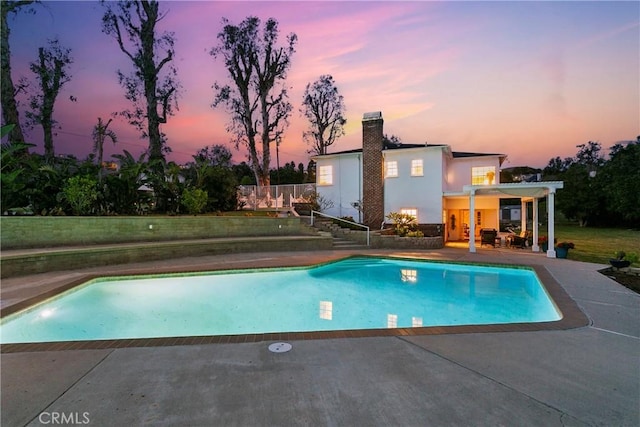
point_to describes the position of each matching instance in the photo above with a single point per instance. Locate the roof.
(455, 154)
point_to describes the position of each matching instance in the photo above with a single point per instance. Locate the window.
(325, 175)
(392, 320)
(409, 275)
(416, 167)
(410, 211)
(326, 310)
(392, 169)
(485, 175)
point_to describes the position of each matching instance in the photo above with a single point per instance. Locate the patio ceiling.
(515, 189)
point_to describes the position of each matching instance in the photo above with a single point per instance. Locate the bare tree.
(258, 102)
(51, 70)
(153, 85)
(8, 90)
(100, 134)
(324, 107)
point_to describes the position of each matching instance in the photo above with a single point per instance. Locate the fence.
(253, 197)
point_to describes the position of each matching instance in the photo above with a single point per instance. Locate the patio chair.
(488, 237)
(519, 241)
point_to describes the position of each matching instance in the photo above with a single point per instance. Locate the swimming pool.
(355, 293)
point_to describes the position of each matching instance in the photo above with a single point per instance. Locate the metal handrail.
(343, 220)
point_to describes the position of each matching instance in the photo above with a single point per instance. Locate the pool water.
(355, 293)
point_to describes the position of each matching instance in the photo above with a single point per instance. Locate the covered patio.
(528, 192)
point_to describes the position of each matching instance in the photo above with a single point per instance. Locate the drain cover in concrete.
(280, 347)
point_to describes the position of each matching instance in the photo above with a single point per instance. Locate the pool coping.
(572, 317)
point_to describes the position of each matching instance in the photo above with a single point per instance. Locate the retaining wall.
(43, 232)
(59, 259)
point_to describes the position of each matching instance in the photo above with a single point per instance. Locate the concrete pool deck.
(588, 375)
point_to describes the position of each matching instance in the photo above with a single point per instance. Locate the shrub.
(632, 257)
(81, 193)
(403, 223)
(194, 200)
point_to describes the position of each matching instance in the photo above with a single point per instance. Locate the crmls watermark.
(64, 418)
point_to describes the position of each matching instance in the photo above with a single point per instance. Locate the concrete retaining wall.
(43, 232)
(396, 242)
(378, 241)
(61, 259)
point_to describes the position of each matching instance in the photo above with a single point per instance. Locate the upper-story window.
(391, 169)
(416, 167)
(325, 175)
(485, 175)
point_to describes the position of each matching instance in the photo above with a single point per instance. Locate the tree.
(556, 167)
(7, 89)
(324, 107)
(214, 155)
(221, 187)
(13, 171)
(590, 155)
(289, 174)
(583, 195)
(391, 141)
(153, 84)
(52, 74)
(100, 134)
(243, 173)
(123, 194)
(622, 175)
(258, 102)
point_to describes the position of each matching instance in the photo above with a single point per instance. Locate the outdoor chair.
(488, 237)
(519, 241)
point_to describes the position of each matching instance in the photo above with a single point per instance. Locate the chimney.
(372, 170)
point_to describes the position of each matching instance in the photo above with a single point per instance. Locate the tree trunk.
(9, 108)
(147, 38)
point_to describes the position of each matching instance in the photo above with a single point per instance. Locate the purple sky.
(527, 79)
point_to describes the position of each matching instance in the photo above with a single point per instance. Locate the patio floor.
(588, 375)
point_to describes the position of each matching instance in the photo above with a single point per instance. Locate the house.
(452, 194)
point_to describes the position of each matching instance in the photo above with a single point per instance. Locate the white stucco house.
(451, 193)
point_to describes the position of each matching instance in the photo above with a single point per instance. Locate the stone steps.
(339, 235)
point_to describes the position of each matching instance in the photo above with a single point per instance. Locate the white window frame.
(325, 175)
(480, 175)
(417, 167)
(391, 169)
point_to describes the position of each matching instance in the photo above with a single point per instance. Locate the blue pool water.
(356, 293)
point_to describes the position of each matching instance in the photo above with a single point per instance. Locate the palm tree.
(100, 134)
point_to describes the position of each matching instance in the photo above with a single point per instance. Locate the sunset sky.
(528, 79)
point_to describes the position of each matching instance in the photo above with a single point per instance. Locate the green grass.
(597, 245)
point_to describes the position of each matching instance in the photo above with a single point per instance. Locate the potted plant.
(619, 261)
(543, 242)
(563, 249)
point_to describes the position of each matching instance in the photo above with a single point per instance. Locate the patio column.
(472, 220)
(551, 250)
(523, 215)
(535, 247)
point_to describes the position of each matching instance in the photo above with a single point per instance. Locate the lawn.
(598, 245)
